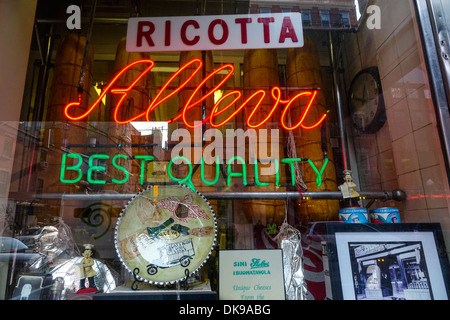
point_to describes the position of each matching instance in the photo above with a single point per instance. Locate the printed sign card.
(225, 32)
(251, 275)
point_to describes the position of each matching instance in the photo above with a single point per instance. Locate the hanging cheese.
(261, 72)
(303, 71)
(200, 111)
(60, 133)
(135, 103)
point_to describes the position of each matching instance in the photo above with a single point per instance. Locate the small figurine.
(88, 271)
(349, 193)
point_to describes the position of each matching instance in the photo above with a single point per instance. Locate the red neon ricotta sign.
(199, 94)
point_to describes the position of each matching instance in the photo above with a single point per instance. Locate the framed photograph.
(387, 261)
(32, 287)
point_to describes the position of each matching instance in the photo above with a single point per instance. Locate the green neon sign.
(114, 163)
(229, 174)
(202, 172)
(187, 180)
(75, 168)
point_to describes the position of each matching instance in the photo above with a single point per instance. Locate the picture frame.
(32, 287)
(405, 261)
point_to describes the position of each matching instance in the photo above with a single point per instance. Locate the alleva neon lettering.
(200, 93)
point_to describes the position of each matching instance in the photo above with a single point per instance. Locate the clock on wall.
(366, 103)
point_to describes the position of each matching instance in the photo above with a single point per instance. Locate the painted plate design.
(165, 233)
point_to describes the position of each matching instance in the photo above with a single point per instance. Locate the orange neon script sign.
(205, 93)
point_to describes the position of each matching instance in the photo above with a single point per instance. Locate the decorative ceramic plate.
(165, 234)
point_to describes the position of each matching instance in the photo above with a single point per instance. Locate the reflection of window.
(40, 186)
(325, 18)
(4, 178)
(264, 10)
(98, 174)
(7, 148)
(306, 17)
(345, 20)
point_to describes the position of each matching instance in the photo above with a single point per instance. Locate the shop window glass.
(79, 176)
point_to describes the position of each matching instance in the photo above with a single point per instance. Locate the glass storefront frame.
(390, 197)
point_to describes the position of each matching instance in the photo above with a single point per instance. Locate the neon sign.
(195, 102)
(229, 174)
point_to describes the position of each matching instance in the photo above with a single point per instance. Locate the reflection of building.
(8, 136)
(315, 14)
(390, 271)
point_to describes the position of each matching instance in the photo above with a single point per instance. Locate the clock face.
(366, 102)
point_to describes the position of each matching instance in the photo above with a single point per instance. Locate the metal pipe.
(340, 109)
(439, 10)
(38, 41)
(86, 49)
(327, 195)
(361, 18)
(397, 195)
(437, 82)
